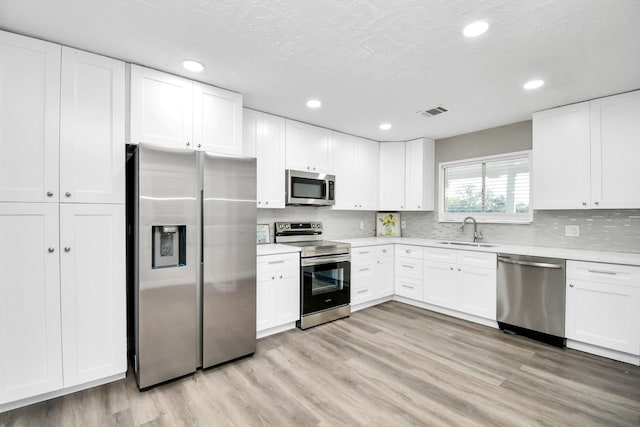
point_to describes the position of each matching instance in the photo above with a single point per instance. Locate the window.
(491, 189)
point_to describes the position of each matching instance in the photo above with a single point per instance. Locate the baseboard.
(52, 395)
(371, 303)
(275, 330)
(447, 311)
(604, 352)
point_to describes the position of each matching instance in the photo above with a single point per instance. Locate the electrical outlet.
(572, 230)
(361, 225)
(403, 224)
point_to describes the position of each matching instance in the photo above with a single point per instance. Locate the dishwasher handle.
(529, 263)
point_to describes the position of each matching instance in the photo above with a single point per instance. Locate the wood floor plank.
(388, 365)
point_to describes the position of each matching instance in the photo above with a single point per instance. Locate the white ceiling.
(369, 61)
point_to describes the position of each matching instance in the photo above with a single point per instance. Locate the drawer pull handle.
(407, 266)
(363, 252)
(276, 262)
(613, 273)
(407, 286)
(364, 269)
(363, 291)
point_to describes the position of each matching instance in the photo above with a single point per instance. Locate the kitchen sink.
(472, 244)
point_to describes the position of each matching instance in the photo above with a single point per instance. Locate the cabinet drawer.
(440, 255)
(409, 251)
(363, 269)
(280, 262)
(409, 267)
(409, 288)
(384, 251)
(363, 292)
(363, 255)
(604, 273)
(477, 259)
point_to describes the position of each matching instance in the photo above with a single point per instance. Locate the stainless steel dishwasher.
(531, 297)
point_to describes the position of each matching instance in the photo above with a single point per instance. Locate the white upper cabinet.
(30, 336)
(29, 119)
(615, 151)
(355, 165)
(92, 134)
(172, 111)
(406, 175)
(161, 108)
(264, 138)
(217, 120)
(585, 155)
(308, 148)
(93, 294)
(392, 172)
(419, 174)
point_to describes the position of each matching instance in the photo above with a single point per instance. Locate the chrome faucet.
(476, 234)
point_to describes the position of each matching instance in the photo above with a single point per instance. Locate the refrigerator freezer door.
(165, 292)
(229, 256)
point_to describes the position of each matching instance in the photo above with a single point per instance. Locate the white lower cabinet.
(408, 271)
(464, 281)
(93, 294)
(62, 298)
(278, 293)
(30, 330)
(603, 309)
(371, 274)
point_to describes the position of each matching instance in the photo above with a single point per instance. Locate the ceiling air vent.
(433, 111)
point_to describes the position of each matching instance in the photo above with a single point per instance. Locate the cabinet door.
(30, 337)
(29, 119)
(217, 120)
(392, 169)
(561, 158)
(270, 161)
(308, 147)
(288, 295)
(266, 298)
(93, 288)
(92, 119)
(383, 274)
(344, 160)
(615, 150)
(603, 314)
(161, 108)
(367, 172)
(440, 284)
(419, 174)
(476, 291)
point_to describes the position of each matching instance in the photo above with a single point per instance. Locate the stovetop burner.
(308, 237)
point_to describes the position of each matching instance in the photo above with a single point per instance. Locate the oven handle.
(304, 262)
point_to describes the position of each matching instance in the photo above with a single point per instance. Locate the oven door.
(325, 282)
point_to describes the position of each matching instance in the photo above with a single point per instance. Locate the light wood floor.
(390, 365)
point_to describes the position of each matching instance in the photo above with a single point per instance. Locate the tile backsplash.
(611, 230)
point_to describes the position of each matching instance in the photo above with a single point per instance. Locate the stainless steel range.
(325, 272)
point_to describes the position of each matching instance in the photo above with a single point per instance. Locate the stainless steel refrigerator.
(194, 273)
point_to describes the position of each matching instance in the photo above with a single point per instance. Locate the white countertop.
(275, 249)
(571, 254)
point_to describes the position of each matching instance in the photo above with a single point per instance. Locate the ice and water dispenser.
(169, 246)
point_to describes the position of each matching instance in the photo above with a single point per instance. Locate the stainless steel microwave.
(309, 188)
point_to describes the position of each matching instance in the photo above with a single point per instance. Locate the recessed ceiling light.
(385, 126)
(194, 66)
(475, 28)
(314, 103)
(533, 84)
